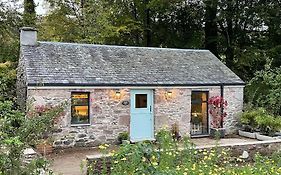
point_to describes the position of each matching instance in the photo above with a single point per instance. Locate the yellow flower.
(124, 159)
(115, 161)
(185, 173)
(193, 167)
(102, 147)
(154, 163)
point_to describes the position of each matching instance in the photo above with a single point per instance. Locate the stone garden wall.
(109, 117)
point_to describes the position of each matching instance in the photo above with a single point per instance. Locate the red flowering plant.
(216, 106)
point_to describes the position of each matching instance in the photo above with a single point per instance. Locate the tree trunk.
(147, 29)
(230, 35)
(29, 14)
(211, 29)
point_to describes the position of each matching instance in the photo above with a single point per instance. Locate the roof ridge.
(117, 46)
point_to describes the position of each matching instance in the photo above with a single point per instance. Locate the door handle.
(150, 108)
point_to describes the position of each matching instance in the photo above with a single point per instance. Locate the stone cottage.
(114, 89)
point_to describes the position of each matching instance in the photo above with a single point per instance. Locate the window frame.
(146, 106)
(71, 112)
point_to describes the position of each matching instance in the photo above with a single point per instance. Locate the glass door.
(199, 113)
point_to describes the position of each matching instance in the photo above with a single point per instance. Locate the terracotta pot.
(44, 148)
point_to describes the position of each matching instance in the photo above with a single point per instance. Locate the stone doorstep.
(99, 156)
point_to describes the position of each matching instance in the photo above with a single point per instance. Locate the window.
(141, 101)
(80, 108)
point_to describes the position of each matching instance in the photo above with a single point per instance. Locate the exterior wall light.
(169, 94)
(118, 94)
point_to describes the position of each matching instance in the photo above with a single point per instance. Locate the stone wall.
(21, 84)
(234, 97)
(173, 110)
(109, 117)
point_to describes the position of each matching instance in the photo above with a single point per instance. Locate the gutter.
(131, 85)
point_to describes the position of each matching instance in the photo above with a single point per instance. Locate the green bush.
(268, 124)
(262, 120)
(264, 90)
(248, 119)
(18, 132)
(123, 136)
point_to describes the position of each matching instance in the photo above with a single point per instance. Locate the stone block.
(93, 143)
(67, 142)
(92, 137)
(82, 135)
(107, 131)
(124, 120)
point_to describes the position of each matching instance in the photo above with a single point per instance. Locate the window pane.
(141, 101)
(80, 108)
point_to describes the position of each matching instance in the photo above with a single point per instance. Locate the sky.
(41, 7)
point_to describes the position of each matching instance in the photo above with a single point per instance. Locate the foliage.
(19, 132)
(7, 81)
(10, 21)
(264, 90)
(29, 14)
(268, 124)
(260, 119)
(248, 119)
(168, 156)
(123, 136)
(216, 106)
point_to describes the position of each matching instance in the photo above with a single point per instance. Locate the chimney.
(28, 36)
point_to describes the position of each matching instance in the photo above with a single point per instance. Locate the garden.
(169, 156)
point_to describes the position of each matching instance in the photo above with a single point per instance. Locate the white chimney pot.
(28, 36)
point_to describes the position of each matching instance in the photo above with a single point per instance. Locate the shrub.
(123, 136)
(248, 119)
(216, 104)
(260, 119)
(268, 124)
(18, 132)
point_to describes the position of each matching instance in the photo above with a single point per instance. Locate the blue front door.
(141, 123)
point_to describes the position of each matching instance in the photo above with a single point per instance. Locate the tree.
(10, 22)
(29, 14)
(211, 28)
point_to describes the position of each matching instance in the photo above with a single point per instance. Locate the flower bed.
(167, 156)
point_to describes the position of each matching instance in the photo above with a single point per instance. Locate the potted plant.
(216, 106)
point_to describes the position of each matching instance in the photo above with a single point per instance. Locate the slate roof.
(69, 64)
